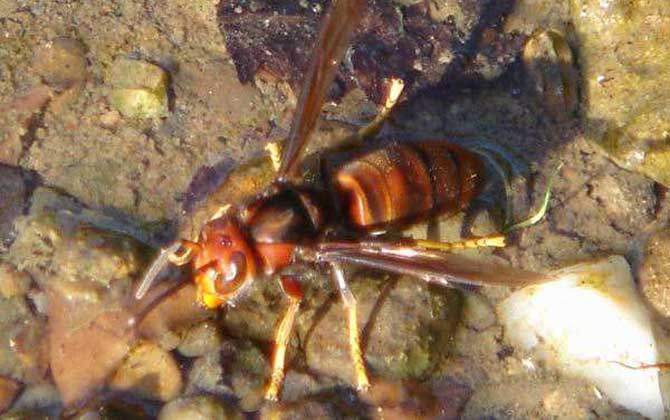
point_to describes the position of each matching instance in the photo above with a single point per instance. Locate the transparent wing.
(449, 270)
(330, 47)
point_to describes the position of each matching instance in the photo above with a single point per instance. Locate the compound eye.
(237, 270)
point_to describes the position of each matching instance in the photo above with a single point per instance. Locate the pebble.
(654, 272)
(149, 372)
(12, 281)
(139, 89)
(207, 375)
(478, 313)
(201, 339)
(198, 408)
(9, 389)
(44, 396)
(62, 63)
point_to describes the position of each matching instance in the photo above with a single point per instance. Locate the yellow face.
(226, 263)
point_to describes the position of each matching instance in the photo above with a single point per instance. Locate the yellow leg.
(486, 241)
(274, 149)
(362, 380)
(282, 336)
(396, 87)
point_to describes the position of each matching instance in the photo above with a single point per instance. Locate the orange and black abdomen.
(406, 182)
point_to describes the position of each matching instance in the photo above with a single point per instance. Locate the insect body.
(371, 190)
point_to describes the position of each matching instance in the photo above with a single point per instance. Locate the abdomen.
(403, 183)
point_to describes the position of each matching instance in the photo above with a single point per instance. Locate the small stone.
(201, 339)
(250, 372)
(12, 281)
(62, 63)
(14, 315)
(198, 408)
(304, 410)
(9, 389)
(206, 376)
(149, 372)
(110, 119)
(478, 313)
(173, 314)
(38, 397)
(654, 274)
(139, 89)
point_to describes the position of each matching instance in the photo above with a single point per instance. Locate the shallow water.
(91, 184)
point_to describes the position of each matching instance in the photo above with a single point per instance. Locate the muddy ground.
(90, 187)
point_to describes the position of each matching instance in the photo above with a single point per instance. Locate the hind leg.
(360, 372)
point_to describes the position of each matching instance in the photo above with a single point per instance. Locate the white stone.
(589, 321)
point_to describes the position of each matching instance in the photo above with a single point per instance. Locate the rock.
(478, 313)
(302, 410)
(149, 372)
(86, 273)
(17, 120)
(42, 397)
(590, 322)
(654, 272)
(61, 63)
(438, 399)
(139, 89)
(15, 315)
(621, 46)
(32, 349)
(547, 398)
(13, 196)
(202, 338)
(207, 376)
(13, 282)
(9, 389)
(249, 372)
(175, 313)
(198, 408)
(87, 342)
(406, 328)
(64, 251)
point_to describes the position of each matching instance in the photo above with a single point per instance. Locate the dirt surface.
(116, 181)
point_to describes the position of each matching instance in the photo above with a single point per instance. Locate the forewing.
(445, 269)
(329, 50)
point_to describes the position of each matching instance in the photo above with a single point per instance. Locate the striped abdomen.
(403, 183)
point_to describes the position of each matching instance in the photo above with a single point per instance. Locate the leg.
(497, 241)
(362, 381)
(292, 289)
(396, 87)
(274, 150)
